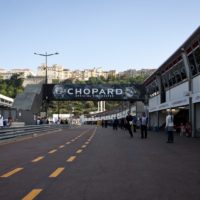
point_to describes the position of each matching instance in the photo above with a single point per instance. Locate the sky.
(112, 34)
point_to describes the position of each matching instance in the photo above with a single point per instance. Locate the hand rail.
(12, 132)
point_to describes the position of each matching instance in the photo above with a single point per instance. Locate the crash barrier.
(12, 132)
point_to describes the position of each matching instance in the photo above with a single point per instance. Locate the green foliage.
(11, 87)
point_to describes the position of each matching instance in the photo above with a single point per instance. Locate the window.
(173, 78)
(170, 80)
(165, 81)
(192, 64)
(183, 73)
(177, 74)
(197, 58)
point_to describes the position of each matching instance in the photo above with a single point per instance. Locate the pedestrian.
(170, 127)
(188, 129)
(144, 122)
(115, 124)
(1, 121)
(129, 119)
(134, 123)
(182, 129)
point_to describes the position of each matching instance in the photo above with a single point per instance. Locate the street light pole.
(46, 55)
(46, 77)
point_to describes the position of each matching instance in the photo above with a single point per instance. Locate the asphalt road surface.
(95, 163)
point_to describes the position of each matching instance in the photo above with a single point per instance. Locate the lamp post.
(46, 77)
(46, 55)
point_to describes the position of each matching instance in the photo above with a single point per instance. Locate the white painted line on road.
(38, 159)
(52, 151)
(71, 158)
(79, 151)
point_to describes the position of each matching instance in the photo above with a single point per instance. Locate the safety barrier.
(12, 132)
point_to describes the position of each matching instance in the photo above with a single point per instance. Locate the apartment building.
(58, 72)
(7, 74)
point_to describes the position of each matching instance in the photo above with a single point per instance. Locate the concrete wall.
(196, 84)
(154, 101)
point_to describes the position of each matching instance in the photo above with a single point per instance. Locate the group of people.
(5, 122)
(132, 121)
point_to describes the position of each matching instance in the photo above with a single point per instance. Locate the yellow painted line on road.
(83, 146)
(32, 194)
(61, 146)
(52, 151)
(11, 172)
(38, 159)
(71, 158)
(79, 151)
(56, 172)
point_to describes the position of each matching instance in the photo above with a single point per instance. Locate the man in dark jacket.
(129, 119)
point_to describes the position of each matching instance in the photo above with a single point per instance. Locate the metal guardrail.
(12, 132)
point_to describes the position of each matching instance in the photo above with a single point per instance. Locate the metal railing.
(13, 132)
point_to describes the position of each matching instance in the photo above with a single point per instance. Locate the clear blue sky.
(112, 34)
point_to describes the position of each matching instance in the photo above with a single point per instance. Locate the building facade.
(58, 72)
(175, 85)
(7, 74)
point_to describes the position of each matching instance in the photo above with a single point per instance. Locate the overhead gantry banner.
(87, 92)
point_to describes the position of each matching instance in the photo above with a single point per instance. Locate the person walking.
(1, 121)
(134, 123)
(170, 127)
(129, 119)
(115, 124)
(144, 122)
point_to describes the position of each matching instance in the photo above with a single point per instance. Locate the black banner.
(93, 92)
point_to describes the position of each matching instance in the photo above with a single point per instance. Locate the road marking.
(86, 142)
(38, 159)
(56, 172)
(61, 146)
(11, 172)
(72, 140)
(68, 142)
(83, 146)
(32, 194)
(52, 151)
(71, 158)
(79, 151)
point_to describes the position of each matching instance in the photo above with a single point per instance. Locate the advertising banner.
(87, 92)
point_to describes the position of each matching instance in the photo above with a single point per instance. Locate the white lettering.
(94, 91)
(102, 92)
(119, 91)
(110, 91)
(86, 91)
(70, 91)
(78, 91)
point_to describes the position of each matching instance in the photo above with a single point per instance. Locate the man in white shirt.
(170, 127)
(144, 121)
(1, 121)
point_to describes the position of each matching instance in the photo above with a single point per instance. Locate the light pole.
(46, 77)
(46, 55)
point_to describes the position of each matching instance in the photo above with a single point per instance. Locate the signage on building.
(93, 92)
